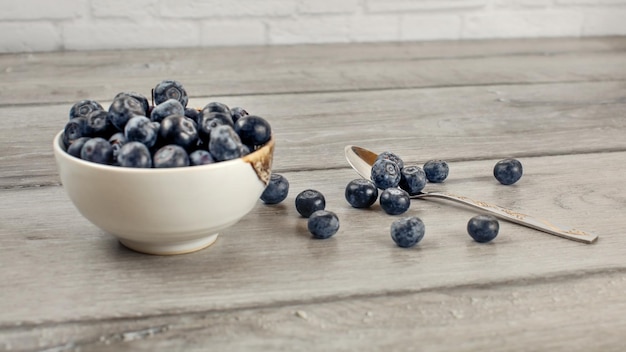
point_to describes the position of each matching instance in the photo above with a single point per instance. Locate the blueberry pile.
(165, 134)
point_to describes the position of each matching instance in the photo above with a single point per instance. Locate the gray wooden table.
(558, 105)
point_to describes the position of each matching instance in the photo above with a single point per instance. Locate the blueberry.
(180, 130)
(413, 179)
(171, 155)
(216, 107)
(508, 171)
(170, 89)
(167, 108)
(123, 109)
(323, 224)
(407, 232)
(99, 124)
(97, 150)
(84, 108)
(141, 129)
(393, 157)
(192, 114)
(117, 140)
(483, 228)
(395, 201)
(75, 129)
(436, 170)
(253, 130)
(276, 190)
(236, 113)
(76, 146)
(206, 123)
(224, 143)
(145, 105)
(361, 193)
(310, 201)
(134, 154)
(200, 157)
(385, 174)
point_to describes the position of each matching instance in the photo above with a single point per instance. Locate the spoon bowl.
(362, 160)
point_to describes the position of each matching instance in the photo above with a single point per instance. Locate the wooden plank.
(34, 78)
(456, 123)
(574, 313)
(59, 268)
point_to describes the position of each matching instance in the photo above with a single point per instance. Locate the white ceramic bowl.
(165, 211)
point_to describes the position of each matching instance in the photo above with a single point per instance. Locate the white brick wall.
(49, 25)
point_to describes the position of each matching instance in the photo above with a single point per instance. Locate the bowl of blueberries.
(162, 177)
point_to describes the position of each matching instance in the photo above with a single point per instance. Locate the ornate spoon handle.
(518, 218)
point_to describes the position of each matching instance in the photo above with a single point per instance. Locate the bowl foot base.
(173, 248)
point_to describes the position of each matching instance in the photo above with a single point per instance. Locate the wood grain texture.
(35, 78)
(556, 104)
(556, 314)
(456, 123)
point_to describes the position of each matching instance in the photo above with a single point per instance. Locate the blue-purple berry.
(224, 143)
(276, 190)
(407, 232)
(310, 201)
(385, 174)
(253, 130)
(361, 193)
(236, 113)
(413, 179)
(170, 156)
(76, 146)
(97, 150)
(84, 108)
(134, 154)
(508, 171)
(323, 224)
(394, 201)
(123, 109)
(392, 157)
(141, 129)
(483, 228)
(179, 130)
(436, 170)
(200, 157)
(145, 105)
(170, 89)
(167, 108)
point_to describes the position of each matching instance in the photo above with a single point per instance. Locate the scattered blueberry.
(394, 201)
(97, 150)
(393, 157)
(413, 179)
(145, 105)
(76, 146)
(385, 174)
(276, 190)
(167, 108)
(200, 157)
(123, 109)
(323, 224)
(236, 113)
(170, 155)
(180, 130)
(170, 89)
(141, 129)
(361, 193)
(436, 170)
(483, 228)
(84, 108)
(253, 130)
(224, 143)
(310, 201)
(134, 154)
(508, 171)
(407, 232)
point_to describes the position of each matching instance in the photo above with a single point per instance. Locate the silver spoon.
(362, 159)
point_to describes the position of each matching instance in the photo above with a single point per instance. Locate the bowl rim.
(60, 151)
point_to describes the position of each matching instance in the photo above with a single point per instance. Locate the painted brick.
(124, 35)
(42, 9)
(328, 6)
(423, 5)
(27, 38)
(221, 8)
(124, 8)
(518, 24)
(607, 22)
(235, 32)
(430, 27)
(315, 29)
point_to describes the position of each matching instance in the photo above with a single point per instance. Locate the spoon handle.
(518, 218)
